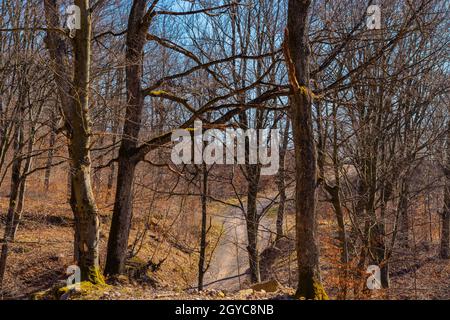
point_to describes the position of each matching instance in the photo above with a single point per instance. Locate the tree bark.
(51, 145)
(202, 258)
(403, 236)
(281, 183)
(252, 221)
(297, 58)
(75, 102)
(127, 161)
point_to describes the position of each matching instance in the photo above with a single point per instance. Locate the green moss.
(41, 295)
(62, 291)
(310, 288)
(158, 92)
(85, 290)
(94, 282)
(95, 276)
(53, 293)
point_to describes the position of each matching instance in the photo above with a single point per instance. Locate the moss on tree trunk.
(310, 287)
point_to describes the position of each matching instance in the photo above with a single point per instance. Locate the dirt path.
(230, 260)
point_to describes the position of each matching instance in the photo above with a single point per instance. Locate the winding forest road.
(229, 264)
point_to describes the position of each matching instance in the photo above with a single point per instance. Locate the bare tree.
(74, 96)
(297, 54)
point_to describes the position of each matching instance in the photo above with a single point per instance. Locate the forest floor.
(43, 251)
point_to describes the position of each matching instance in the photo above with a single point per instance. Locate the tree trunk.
(297, 57)
(110, 183)
(335, 194)
(50, 153)
(122, 212)
(82, 198)
(252, 249)
(378, 248)
(252, 237)
(403, 236)
(252, 219)
(121, 221)
(202, 258)
(115, 131)
(75, 103)
(445, 242)
(281, 183)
